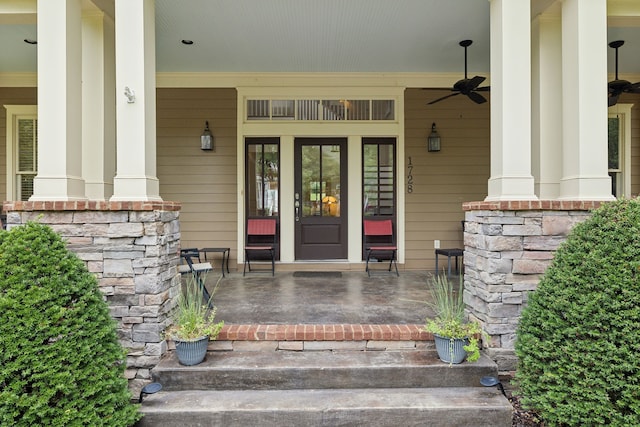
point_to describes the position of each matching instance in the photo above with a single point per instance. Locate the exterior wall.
(11, 96)
(443, 180)
(132, 249)
(635, 141)
(508, 246)
(204, 182)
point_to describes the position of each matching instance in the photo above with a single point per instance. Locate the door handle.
(297, 205)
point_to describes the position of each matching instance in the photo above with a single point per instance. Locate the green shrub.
(60, 360)
(578, 341)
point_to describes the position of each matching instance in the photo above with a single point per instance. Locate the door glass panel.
(262, 179)
(311, 184)
(331, 176)
(321, 180)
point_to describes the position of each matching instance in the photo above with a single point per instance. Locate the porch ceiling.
(316, 36)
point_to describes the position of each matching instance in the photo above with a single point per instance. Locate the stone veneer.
(508, 245)
(132, 248)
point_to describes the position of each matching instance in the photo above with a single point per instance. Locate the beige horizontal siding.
(442, 181)
(204, 182)
(635, 141)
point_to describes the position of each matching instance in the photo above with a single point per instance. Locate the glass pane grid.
(262, 179)
(378, 179)
(321, 110)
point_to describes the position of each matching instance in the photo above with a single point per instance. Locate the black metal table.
(455, 252)
(225, 256)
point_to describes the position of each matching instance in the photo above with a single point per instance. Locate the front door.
(320, 190)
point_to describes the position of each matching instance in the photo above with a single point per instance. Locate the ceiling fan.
(617, 87)
(467, 86)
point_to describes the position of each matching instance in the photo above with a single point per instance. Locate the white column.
(354, 201)
(584, 94)
(59, 102)
(287, 190)
(135, 101)
(99, 108)
(546, 125)
(511, 177)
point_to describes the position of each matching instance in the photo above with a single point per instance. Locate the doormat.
(318, 274)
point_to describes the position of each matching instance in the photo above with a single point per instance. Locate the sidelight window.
(263, 177)
(378, 177)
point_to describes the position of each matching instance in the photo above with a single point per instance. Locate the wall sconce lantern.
(433, 141)
(206, 139)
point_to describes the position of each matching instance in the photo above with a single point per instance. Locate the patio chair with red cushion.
(260, 243)
(379, 243)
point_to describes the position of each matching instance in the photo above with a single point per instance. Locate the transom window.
(321, 109)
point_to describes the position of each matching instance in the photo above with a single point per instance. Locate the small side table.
(225, 256)
(455, 252)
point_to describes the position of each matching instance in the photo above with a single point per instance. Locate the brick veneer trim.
(90, 205)
(331, 332)
(526, 205)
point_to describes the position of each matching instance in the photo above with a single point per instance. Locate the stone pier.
(508, 246)
(132, 249)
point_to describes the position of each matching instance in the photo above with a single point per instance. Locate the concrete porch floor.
(353, 298)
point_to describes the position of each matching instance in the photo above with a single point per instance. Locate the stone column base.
(133, 250)
(508, 246)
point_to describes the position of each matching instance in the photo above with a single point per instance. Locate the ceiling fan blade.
(612, 100)
(634, 88)
(483, 89)
(617, 87)
(475, 82)
(444, 97)
(476, 97)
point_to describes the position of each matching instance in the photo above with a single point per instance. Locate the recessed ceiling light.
(187, 42)
(31, 41)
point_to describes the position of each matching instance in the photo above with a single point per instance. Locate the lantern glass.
(206, 139)
(433, 141)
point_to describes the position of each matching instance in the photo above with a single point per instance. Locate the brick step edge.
(335, 336)
(323, 332)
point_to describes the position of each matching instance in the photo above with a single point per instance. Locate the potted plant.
(455, 338)
(194, 324)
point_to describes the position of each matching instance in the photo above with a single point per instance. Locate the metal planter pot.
(451, 350)
(192, 352)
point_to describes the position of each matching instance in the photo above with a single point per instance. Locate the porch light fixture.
(433, 141)
(206, 139)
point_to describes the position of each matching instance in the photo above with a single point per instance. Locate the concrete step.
(434, 407)
(260, 370)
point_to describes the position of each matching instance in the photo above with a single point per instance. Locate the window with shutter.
(22, 150)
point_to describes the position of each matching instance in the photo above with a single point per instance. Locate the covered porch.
(327, 298)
